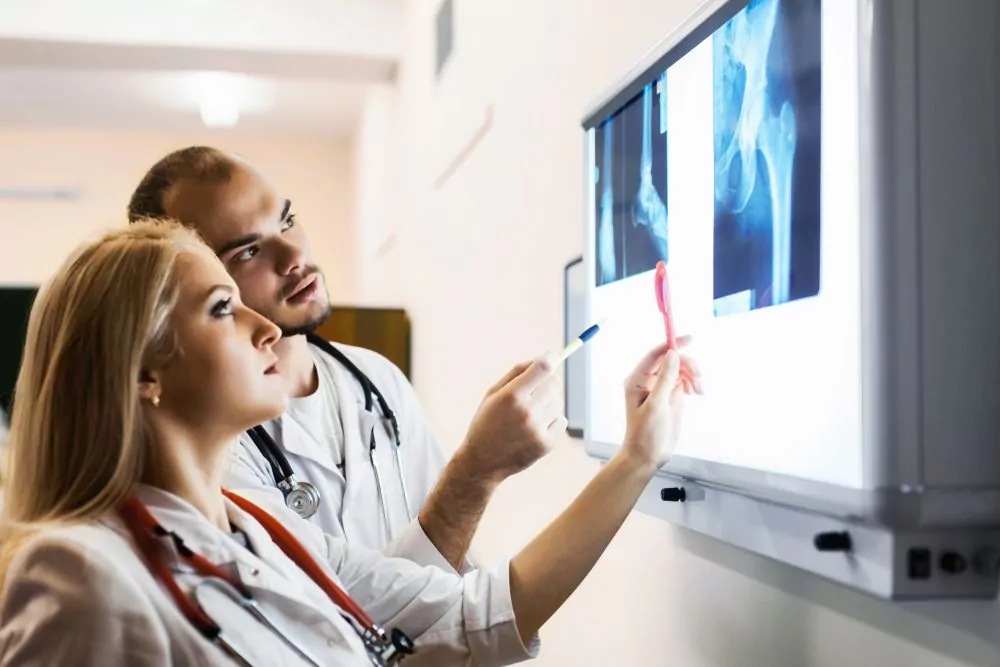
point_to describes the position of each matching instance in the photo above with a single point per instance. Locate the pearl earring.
(155, 401)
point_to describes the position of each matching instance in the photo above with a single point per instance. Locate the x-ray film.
(631, 186)
(766, 90)
(736, 166)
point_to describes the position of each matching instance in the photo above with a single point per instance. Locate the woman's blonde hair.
(77, 441)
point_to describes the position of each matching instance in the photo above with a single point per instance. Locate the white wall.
(377, 167)
(479, 262)
(35, 236)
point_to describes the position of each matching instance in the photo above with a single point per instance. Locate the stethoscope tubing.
(146, 531)
(284, 474)
(250, 606)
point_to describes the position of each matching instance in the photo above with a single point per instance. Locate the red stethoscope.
(385, 650)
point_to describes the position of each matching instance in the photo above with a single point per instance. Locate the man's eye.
(247, 253)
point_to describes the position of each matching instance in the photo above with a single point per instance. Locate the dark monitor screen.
(15, 306)
(575, 321)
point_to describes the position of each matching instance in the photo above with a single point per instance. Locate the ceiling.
(372, 27)
(170, 101)
(268, 65)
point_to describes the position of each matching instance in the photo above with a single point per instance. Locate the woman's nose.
(266, 333)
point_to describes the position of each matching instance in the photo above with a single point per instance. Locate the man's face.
(254, 232)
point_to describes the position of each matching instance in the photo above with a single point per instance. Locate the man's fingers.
(558, 425)
(506, 379)
(548, 394)
(542, 414)
(537, 372)
(550, 385)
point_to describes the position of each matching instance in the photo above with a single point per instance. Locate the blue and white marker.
(579, 341)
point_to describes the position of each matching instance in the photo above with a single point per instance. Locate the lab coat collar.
(181, 517)
(265, 571)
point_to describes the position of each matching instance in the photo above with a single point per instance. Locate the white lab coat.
(352, 508)
(81, 595)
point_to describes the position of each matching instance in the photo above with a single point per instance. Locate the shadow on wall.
(774, 631)
(967, 631)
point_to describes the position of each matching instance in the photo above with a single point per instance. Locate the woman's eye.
(223, 308)
(288, 223)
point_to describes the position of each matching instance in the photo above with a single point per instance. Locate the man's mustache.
(289, 288)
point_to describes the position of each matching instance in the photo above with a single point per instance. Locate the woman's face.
(222, 378)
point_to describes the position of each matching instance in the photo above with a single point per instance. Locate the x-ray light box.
(820, 178)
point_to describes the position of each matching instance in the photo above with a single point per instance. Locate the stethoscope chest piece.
(302, 497)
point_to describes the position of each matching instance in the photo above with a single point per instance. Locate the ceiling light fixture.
(222, 99)
(219, 98)
(219, 113)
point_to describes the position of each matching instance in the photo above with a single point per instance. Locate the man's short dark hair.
(196, 162)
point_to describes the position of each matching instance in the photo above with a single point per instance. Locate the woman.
(141, 368)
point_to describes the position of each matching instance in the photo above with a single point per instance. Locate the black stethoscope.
(302, 497)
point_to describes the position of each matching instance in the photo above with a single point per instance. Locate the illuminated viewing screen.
(738, 167)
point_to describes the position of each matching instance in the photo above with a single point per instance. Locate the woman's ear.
(149, 387)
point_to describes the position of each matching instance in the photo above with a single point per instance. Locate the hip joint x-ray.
(736, 166)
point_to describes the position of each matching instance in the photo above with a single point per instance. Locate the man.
(377, 490)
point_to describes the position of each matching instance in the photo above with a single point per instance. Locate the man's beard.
(306, 327)
(311, 325)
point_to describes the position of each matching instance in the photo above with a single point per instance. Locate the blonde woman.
(141, 368)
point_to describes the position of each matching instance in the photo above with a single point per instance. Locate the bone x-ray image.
(631, 186)
(766, 99)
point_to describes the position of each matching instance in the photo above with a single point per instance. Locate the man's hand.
(518, 422)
